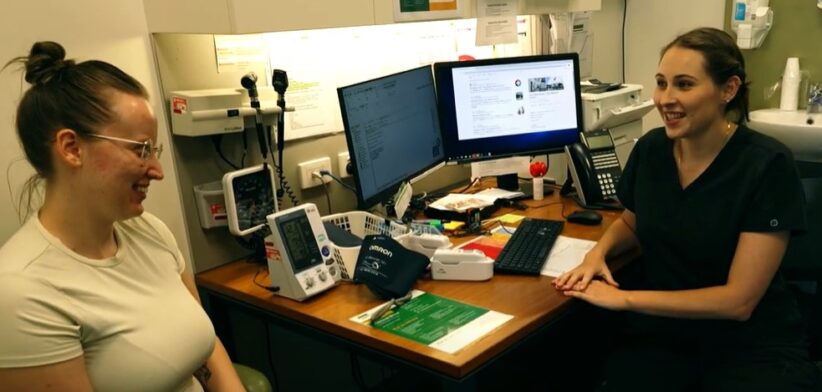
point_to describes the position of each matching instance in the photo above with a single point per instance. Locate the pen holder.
(538, 188)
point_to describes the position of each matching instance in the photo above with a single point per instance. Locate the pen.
(394, 303)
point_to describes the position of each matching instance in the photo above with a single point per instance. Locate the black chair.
(802, 267)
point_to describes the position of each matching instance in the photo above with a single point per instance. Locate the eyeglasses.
(145, 150)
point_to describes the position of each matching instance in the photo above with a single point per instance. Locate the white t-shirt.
(130, 316)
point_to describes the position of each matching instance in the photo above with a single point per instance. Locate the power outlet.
(342, 161)
(308, 167)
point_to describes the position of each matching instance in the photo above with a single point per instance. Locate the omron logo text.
(380, 249)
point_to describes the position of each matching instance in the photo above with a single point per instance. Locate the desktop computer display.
(509, 106)
(392, 130)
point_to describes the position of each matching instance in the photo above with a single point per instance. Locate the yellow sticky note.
(453, 225)
(511, 218)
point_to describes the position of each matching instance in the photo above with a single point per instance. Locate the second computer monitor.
(392, 130)
(509, 106)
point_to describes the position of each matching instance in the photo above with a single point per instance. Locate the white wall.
(113, 31)
(650, 25)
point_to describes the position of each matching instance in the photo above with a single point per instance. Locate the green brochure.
(437, 322)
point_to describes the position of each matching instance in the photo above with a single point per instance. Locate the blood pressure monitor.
(300, 255)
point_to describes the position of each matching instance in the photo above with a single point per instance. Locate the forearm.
(618, 238)
(718, 302)
(223, 376)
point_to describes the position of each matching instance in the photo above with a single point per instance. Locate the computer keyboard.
(527, 250)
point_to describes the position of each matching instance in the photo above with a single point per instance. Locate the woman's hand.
(593, 265)
(601, 294)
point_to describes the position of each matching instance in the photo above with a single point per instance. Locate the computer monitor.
(506, 107)
(392, 130)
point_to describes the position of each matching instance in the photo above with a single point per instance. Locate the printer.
(620, 109)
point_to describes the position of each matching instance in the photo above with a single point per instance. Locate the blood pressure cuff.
(388, 268)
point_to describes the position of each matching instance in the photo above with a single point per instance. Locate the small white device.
(460, 264)
(300, 255)
(751, 20)
(425, 243)
(249, 198)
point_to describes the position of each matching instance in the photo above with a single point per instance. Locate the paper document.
(490, 245)
(496, 193)
(462, 202)
(436, 322)
(496, 21)
(566, 254)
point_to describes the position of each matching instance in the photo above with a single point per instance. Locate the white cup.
(790, 85)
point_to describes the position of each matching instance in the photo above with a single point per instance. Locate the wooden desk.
(531, 300)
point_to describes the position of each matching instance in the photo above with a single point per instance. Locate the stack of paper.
(462, 202)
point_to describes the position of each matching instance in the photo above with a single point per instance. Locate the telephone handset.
(594, 169)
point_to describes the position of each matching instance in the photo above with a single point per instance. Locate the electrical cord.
(624, 14)
(285, 188)
(216, 140)
(561, 211)
(272, 289)
(338, 180)
(255, 243)
(319, 176)
(472, 183)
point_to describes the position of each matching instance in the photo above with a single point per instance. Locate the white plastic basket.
(361, 224)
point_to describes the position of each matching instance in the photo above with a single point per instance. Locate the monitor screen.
(392, 130)
(509, 106)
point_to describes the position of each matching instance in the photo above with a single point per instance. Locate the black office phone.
(594, 168)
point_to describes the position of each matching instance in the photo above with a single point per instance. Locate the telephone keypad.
(607, 184)
(607, 167)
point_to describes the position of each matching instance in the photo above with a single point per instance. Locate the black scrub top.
(688, 236)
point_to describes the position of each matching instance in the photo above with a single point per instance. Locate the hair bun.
(45, 61)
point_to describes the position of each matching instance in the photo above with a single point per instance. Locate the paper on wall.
(496, 22)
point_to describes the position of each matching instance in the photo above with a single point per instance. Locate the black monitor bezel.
(507, 146)
(383, 195)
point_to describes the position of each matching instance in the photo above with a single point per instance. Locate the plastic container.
(361, 224)
(791, 78)
(211, 204)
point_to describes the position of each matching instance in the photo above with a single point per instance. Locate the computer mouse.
(584, 217)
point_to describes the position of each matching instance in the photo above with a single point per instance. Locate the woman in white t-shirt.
(93, 292)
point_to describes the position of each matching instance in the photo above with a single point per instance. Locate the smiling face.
(117, 178)
(688, 100)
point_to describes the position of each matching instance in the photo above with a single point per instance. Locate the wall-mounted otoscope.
(280, 83)
(249, 82)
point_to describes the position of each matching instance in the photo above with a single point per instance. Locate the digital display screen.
(298, 238)
(599, 142)
(254, 198)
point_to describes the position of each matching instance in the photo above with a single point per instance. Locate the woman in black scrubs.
(711, 204)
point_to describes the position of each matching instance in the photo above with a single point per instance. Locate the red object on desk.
(538, 168)
(490, 245)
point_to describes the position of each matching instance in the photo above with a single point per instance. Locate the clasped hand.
(580, 283)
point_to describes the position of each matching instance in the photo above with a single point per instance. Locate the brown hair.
(64, 94)
(723, 59)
